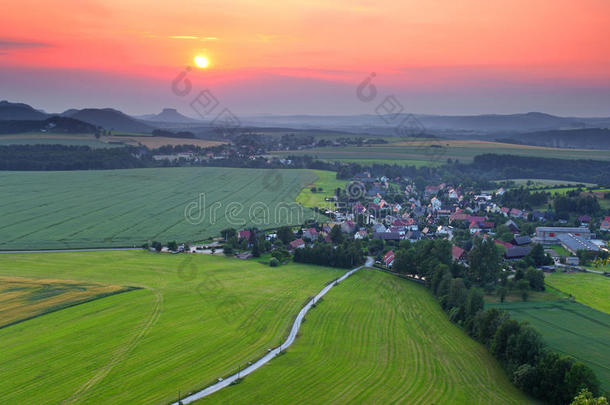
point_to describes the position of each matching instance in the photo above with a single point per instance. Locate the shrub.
(274, 262)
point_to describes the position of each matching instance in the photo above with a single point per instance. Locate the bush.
(274, 262)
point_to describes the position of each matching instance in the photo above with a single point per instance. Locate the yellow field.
(25, 298)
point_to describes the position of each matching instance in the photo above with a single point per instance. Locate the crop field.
(130, 207)
(587, 288)
(443, 149)
(195, 318)
(23, 298)
(571, 328)
(328, 182)
(378, 339)
(38, 138)
(153, 142)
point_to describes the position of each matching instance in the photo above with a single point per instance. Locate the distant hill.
(170, 115)
(19, 111)
(587, 138)
(56, 124)
(110, 119)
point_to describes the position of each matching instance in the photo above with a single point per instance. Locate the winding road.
(274, 352)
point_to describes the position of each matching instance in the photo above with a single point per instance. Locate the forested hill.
(586, 138)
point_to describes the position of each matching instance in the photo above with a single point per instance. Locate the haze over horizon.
(281, 58)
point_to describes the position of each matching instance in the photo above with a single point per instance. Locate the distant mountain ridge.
(170, 115)
(19, 111)
(109, 118)
(586, 138)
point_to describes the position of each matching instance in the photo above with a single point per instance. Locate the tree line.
(531, 365)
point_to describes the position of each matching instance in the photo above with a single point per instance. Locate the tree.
(285, 234)
(539, 257)
(336, 235)
(173, 246)
(484, 261)
(228, 233)
(535, 279)
(585, 397)
(256, 250)
(157, 246)
(502, 293)
(274, 262)
(523, 286)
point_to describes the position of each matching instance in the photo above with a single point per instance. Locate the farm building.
(517, 252)
(297, 244)
(521, 240)
(605, 226)
(548, 235)
(575, 243)
(458, 253)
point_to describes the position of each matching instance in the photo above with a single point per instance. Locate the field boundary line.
(72, 304)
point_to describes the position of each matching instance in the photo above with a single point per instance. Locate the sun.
(201, 61)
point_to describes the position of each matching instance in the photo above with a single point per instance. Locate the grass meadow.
(571, 328)
(328, 182)
(107, 208)
(377, 338)
(421, 151)
(195, 318)
(587, 288)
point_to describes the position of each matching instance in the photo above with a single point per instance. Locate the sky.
(309, 56)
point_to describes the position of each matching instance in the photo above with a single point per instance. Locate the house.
(453, 195)
(538, 216)
(348, 226)
(515, 213)
(386, 235)
(505, 211)
(360, 235)
(310, 234)
(458, 253)
(436, 204)
(388, 259)
(572, 261)
(521, 240)
(584, 219)
(514, 228)
(297, 244)
(430, 191)
(500, 191)
(518, 252)
(245, 234)
(378, 228)
(413, 236)
(605, 225)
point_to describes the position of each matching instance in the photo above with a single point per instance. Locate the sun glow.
(201, 61)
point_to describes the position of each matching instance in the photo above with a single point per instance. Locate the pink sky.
(298, 56)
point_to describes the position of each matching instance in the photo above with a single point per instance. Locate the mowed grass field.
(377, 339)
(195, 318)
(107, 208)
(438, 151)
(571, 328)
(328, 182)
(587, 288)
(24, 298)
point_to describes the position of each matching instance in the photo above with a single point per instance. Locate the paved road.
(265, 359)
(66, 250)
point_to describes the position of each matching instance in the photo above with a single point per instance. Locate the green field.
(377, 339)
(37, 138)
(588, 288)
(544, 183)
(421, 151)
(195, 318)
(571, 328)
(328, 182)
(130, 207)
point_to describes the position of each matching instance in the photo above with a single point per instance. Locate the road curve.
(274, 352)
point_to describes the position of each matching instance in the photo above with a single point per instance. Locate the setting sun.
(201, 61)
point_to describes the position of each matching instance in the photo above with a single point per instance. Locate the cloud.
(19, 44)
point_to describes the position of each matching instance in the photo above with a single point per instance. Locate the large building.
(575, 243)
(549, 235)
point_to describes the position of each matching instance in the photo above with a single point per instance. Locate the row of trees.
(533, 367)
(346, 255)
